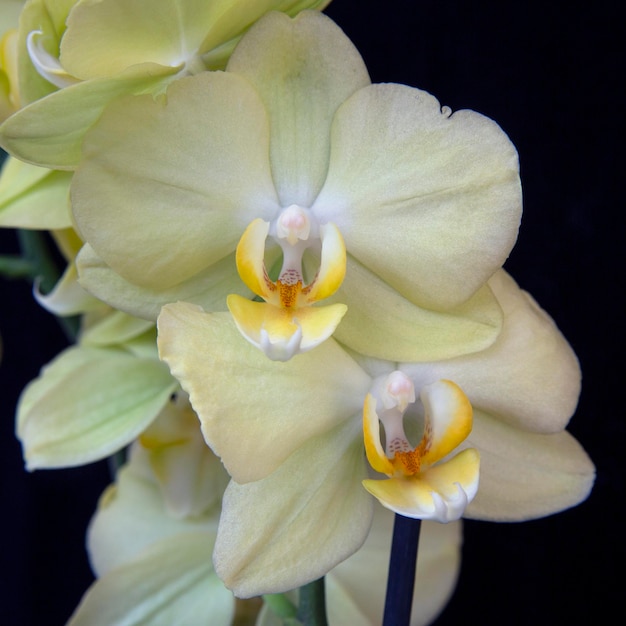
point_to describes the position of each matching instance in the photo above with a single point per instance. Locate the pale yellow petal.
(381, 323)
(209, 288)
(171, 582)
(131, 516)
(193, 169)
(526, 475)
(529, 378)
(303, 69)
(428, 201)
(33, 197)
(49, 131)
(256, 412)
(314, 514)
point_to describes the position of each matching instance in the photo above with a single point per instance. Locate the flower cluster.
(282, 266)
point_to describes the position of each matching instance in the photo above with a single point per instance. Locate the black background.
(550, 73)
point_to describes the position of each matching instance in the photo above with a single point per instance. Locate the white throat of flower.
(286, 323)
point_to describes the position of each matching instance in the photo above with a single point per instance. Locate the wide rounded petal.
(428, 201)
(529, 377)
(441, 493)
(355, 589)
(88, 403)
(49, 131)
(34, 197)
(526, 475)
(303, 69)
(171, 582)
(295, 525)
(209, 288)
(256, 412)
(104, 38)
(190, 172)
(383, 324)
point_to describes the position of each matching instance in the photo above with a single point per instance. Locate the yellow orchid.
(294, 130)
(291, 437)
(75, 56)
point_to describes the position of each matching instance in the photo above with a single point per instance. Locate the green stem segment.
(312, 605)
(401, 578)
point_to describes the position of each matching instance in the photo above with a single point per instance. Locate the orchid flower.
(75, 56)
(292, 153)
(290, 435)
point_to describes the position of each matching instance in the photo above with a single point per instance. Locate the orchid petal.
(104, 38)
(382, 324)
(254, 408)
(262, 324)
(311, 504)
(303, 69)
(448, 419)
(332, 268)
(67, 297)
(441, 493)
(212, 181)
(131, 516)
(371, 435)
(526, 475)
(229, 21)
(49, 131)
(88, 403)
(209, 288)
(411, 186)
(529, 378)
(172, 582)
(33, 197)
(250, 256)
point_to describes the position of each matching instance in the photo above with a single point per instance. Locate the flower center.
(287, 323)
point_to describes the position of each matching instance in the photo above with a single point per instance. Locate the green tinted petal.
(166, 190)
(526, 475)
(172, 582)
(33, 197)
(529, 377)
(115, 328)
(292, 527)
(88, 403)
(208, 288)
(303, 70)
(428, 201)
(256, 412)
(49, 131)
(381, 323)
(355, 589)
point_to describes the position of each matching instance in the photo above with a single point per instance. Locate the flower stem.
(401, 578)
(312, 604)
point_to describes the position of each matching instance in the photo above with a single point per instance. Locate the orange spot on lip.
(407, 462)
(289, 293)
